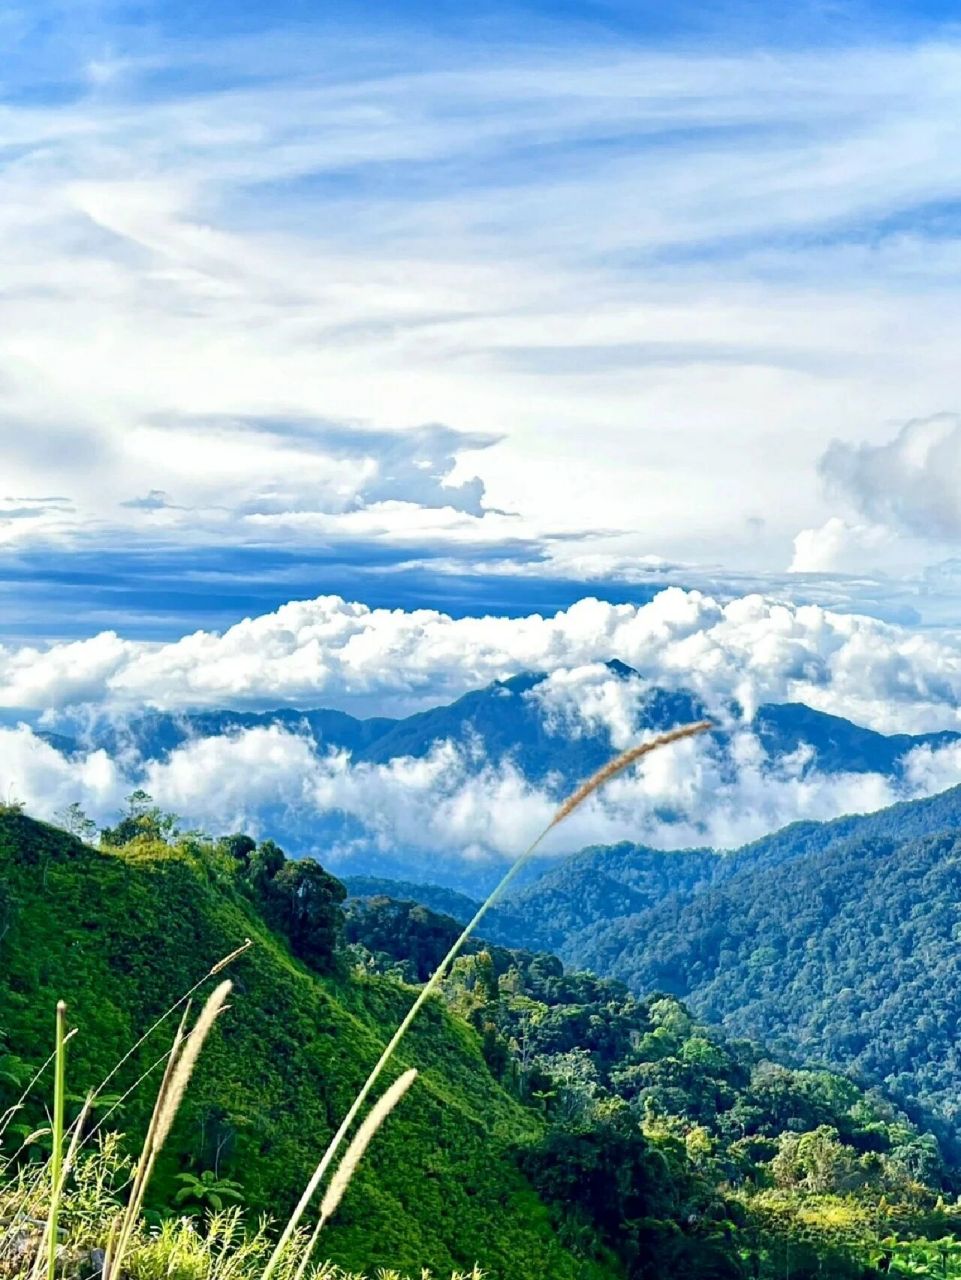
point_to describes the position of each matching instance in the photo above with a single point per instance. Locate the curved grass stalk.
(597, 780)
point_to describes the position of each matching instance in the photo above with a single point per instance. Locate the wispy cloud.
(333, 285)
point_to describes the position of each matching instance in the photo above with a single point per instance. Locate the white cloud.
(449, 805)
(839, 546)
(552, 242)
(911, 483)
(329, 651)
(45, 781)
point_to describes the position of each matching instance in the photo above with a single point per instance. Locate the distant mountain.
(508, 720)
(545, 730)
(839, 745)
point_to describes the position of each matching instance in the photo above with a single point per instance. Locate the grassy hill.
(120, 934)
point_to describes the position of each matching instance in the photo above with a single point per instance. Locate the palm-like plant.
(206, 1191)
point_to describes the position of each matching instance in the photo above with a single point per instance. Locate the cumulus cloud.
(449, 806)
(912, 483)
(329, 651)
(43, 779)
(839, 546)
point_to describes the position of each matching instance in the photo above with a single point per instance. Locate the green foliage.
(220, 1245)
(121, 932)
(561, 1127)
(848, 956)
(678, 1149)
(206, 1191)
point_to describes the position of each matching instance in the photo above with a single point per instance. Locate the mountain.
(560, 1126)
(587, 907)
(834, 941)
(531, 733)
(848, 955)
(122, 933)
(807, 1165)
(509, 720)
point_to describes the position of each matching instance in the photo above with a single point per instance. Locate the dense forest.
(562, 1126)
(834, 943)
(784, 1170)
(848, 956)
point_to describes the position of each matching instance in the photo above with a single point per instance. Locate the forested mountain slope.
(835, 942)
(850, 955)
(121, 933)
(585, 908)
(786, 1172)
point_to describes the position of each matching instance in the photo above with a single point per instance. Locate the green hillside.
(848, 956)
(122, 933)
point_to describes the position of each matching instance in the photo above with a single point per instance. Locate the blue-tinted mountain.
(839, 745)
(505, 722)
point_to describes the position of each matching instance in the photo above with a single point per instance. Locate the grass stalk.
(56, 1125)
(352, 1158)
(180, 1066)
(10, 1112)
(597, 780)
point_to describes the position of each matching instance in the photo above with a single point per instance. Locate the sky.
(359, 355)
(478, 312)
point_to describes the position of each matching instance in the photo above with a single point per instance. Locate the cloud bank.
(451, 808)
(333, 652)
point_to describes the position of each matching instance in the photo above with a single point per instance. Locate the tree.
(300, 899)
(239, 847)
(142, 820)
(74, 820)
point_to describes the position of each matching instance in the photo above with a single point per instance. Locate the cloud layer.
(450, 809)
(332, 652)
(313, 291)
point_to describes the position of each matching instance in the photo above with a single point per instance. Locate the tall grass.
(56, 1159)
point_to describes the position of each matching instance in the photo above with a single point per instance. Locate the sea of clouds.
(457, 802)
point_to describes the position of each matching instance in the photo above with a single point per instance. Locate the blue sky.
(361, 354)
(476, 312)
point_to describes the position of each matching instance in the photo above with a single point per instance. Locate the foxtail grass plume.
(622, 762)
(361, 1141)
(187, 1060)
(180, 1066)
(352, 1158)
(234, 955)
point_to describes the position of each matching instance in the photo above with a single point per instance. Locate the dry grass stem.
(624, 761)
(352, 1158)
(180, 1066)
(214, 969)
